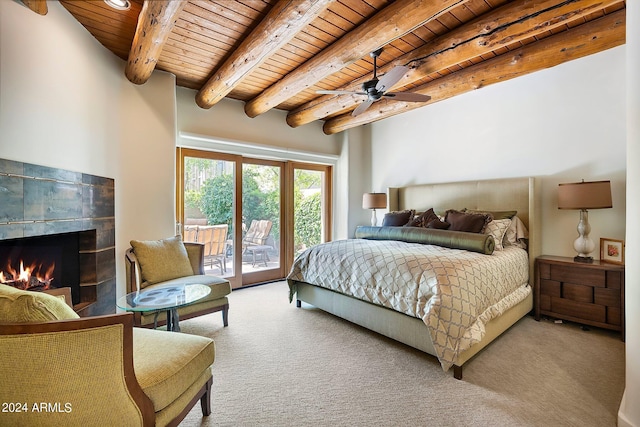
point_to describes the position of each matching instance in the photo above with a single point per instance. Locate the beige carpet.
(278, 365)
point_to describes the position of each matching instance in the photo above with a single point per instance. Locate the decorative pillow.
(498, 228)
(162, 260)
(517, 234)
(423, 219)
(19, 306)
(494, 214)
(398, 218)
(469, 222)
(439, 224)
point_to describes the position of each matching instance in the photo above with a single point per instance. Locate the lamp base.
(583, 244)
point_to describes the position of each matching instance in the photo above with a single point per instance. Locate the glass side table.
(165, 298)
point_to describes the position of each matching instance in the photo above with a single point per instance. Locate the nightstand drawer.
(614, 279)
(580, 310)
(545, 302)
(579, 293)
(550, 287)
(614, 316)
(608, 297)
(563, 273)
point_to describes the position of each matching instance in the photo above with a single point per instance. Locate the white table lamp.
(584, 196)
(374, 201)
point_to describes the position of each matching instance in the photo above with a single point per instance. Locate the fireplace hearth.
(71, 213)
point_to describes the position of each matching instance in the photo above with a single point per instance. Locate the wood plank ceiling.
(278, 53)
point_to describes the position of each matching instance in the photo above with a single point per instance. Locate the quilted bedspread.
(455, 292)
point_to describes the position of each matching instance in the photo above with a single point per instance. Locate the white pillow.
(498, 228)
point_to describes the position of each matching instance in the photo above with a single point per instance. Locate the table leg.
(175, 320)
(169, 320)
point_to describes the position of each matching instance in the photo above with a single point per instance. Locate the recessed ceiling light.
(119, 4)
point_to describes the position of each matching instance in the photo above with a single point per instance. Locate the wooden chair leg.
(205, 400)
(225, 317)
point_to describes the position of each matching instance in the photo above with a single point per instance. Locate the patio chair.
(190, 233)
(254, 242)
(214, 239)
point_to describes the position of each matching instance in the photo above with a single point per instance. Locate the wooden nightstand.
(590, 294)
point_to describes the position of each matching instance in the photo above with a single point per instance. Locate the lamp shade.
(585, 195)
(374, 201)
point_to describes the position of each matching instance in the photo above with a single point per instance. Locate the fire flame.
(24, 278)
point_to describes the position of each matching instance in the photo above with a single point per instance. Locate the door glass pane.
(208, 211)
(307, 209)
(261, 197)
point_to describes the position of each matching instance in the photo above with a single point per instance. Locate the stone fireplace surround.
(39, 200)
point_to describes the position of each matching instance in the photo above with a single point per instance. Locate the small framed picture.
(612, 251)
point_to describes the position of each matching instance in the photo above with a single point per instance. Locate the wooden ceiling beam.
(155, 22)
(38, 6)
(390, 23)
(586, 39)
(286, 19)
(502, 27)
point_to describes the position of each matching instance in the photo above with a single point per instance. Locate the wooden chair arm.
(132, 267)
(195, 251)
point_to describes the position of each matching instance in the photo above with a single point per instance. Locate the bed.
(409, 323)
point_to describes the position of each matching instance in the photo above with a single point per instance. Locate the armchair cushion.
(183, 359)
(220, 287)
(162, 260)
(19, 306)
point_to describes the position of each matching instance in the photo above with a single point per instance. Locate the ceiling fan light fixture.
(119, 4)
(376, 88)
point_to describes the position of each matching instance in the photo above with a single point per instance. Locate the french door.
(252, 215)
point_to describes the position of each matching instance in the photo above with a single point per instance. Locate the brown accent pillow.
(398, 218)
(494, 214)
(423, 219)
(469, 222)
(437, 223)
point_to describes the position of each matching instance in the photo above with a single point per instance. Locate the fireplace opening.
(42, 262)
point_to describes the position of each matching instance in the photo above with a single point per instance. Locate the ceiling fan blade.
(391, 78)
(339, 92)
(407, 96)
(362, 107)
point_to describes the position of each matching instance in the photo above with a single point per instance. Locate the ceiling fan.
(375, 88)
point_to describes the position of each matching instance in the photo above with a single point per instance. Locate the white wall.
(66, 104)
(562, 124)
(629, 414)
(227, 121)
(57, 106)
(357, 158)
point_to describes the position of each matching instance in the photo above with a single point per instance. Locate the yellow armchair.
(96, 371)
(146, 258)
